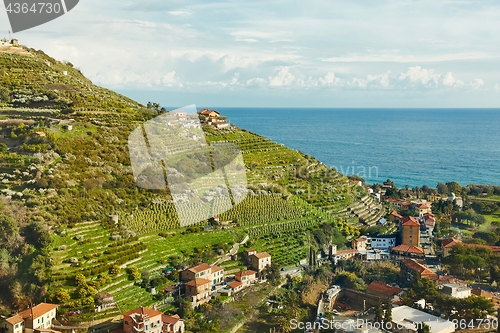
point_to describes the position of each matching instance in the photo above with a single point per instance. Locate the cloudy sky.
(317, 53)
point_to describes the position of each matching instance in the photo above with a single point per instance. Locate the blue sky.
(318, 53)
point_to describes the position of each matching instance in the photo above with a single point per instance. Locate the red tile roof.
(199, 268)
(143, 311)
(217, 268)
(234, 284)
(383, 288)
(38, 310)
(396, 214)
(410, 221)
(207, 112)
(246, 273)
(15, 319)
(450, 242)
(417, 267)
(197, 282)
(408, 249)
(172, 320)
(262, 255)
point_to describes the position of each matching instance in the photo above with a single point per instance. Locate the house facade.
(142, 320)
(411, 267)
(259, 261)
(384, 242)
(247, 277)
(215, 274)
(14, 324)
(410, 231)
(199, 291)
(38, 317)
(173, 324)
(456, 290)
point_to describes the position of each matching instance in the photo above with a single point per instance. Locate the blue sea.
(410, 146)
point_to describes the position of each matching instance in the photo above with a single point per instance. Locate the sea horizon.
(421, 147)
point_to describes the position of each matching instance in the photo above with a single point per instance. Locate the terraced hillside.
(34, 80)
(68, 164)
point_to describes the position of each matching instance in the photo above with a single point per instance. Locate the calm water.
(409, 146)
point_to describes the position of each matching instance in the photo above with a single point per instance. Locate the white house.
(456, 290)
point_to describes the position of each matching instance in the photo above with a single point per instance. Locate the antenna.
(10, 37)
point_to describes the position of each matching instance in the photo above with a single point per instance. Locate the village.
(413, 248)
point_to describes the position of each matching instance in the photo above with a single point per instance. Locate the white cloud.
(476, 84)
(180, 13)
(170, 80)
(397, 58)
(450, 81)
(385, 47)
(282, 79)
(419, 75)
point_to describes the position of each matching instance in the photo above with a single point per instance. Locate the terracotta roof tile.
(199, 268)
(234, 284)
(410, 221)
(408, 249)
(15, 319)
(450, 242)
(38, 310)
(383, 288)
(197, 282)
(143, 311)
(262, 255)
(419, 268)
(246, 273)
(172, 320)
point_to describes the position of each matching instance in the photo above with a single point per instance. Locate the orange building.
(410, 232)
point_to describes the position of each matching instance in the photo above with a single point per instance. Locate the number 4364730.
(36, 8)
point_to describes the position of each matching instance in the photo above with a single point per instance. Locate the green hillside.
(35, 80)
(65, 169)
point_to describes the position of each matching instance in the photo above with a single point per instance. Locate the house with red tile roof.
(410, 231)
(383, 290)
(173, 324)
(344, 254)
(145, 320)
(14, 324)
(247, 277)
(411, 267)
(235, 286)
(38, 317)
(213, 273)
(142, 320)
(360, 243)
(408, 251)
(395, 217)
(448, 244)
(199, 291)
(259, 261)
